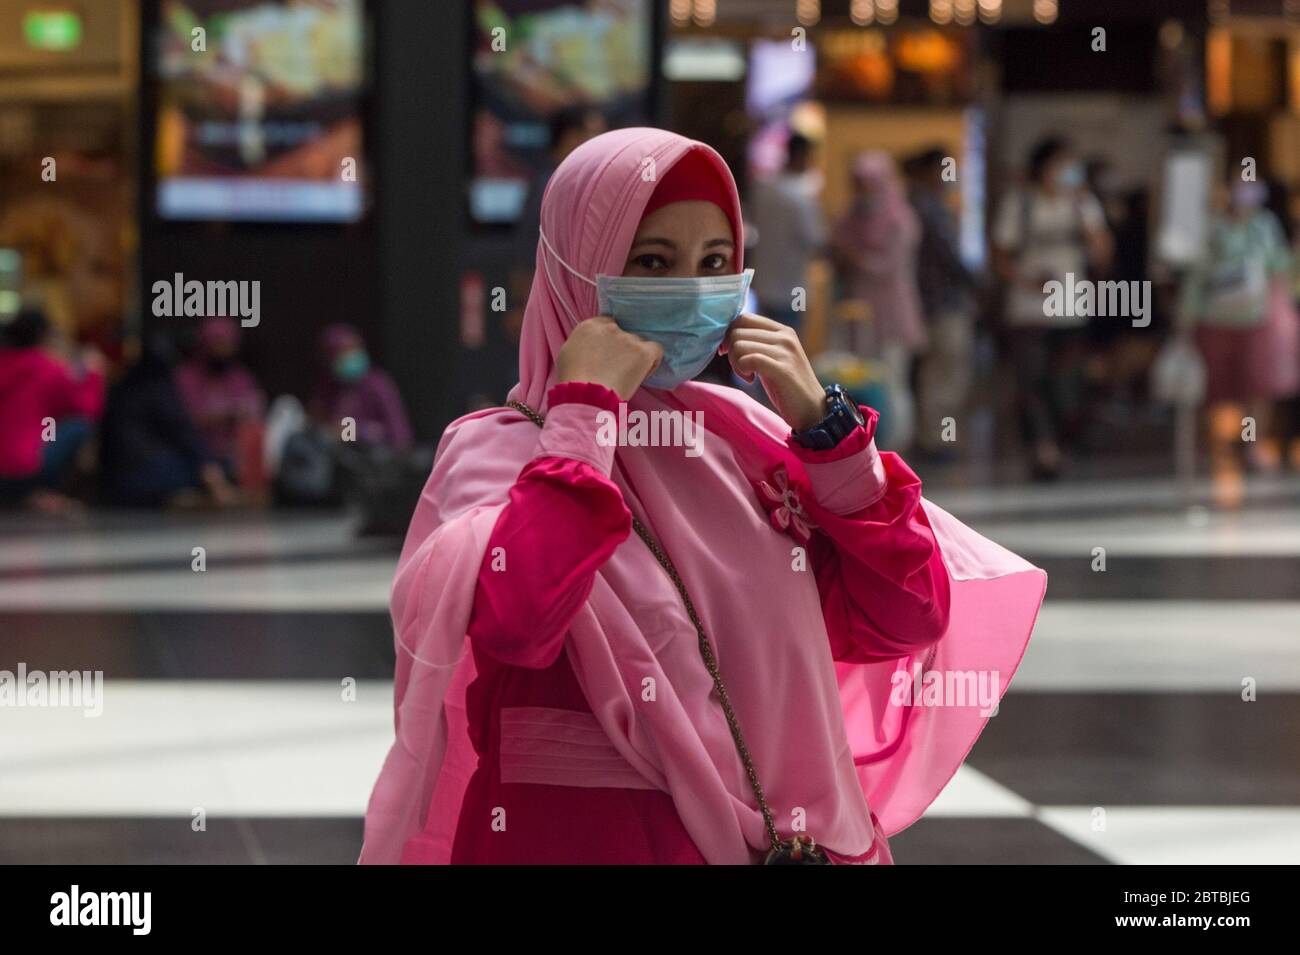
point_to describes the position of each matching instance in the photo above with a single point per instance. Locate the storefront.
(67, 185)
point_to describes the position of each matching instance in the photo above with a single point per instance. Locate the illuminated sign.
(55, 30)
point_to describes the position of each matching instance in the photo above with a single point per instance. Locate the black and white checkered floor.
(1124, 738)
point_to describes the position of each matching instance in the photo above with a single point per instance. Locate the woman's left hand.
(760, 346)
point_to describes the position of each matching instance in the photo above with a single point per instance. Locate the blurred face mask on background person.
(1070, 176)
(351, 365)
(1248, 195)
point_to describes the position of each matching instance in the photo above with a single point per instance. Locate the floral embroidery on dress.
(785, 510)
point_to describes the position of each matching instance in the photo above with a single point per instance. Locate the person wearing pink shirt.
(618, 651)
(46, 410)
(220, 394)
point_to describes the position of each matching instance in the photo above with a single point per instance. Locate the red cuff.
(857, 441)
(585, 393)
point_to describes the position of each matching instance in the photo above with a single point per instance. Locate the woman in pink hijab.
(874, 247)
(745, 645)
(221, 395)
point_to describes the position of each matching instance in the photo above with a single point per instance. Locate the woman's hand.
(598, 350)
(760, 346)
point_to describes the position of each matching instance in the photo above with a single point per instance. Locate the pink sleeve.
(883, 583)
(73, 395)
(563, 520)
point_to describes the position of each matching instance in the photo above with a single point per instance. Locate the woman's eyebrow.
(714, 243)
(654, 241)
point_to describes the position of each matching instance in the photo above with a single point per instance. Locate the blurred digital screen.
(688, 60)
(534, 60)
(779, 77)
(259, 110)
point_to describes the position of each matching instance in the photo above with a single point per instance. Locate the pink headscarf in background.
(219, 399)
(875, 244)
(372, 400)
(796, 706)
(217, 332)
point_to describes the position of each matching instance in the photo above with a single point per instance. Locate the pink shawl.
(825, 737)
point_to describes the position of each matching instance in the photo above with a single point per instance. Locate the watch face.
(841, 397)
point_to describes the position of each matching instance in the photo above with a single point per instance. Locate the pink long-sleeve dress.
(879, 573)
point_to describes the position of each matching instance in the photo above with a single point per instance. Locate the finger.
(750, 320)
(767, 335)
(732, 358)
(775, 350)
(633, 339)
(746, 350)
(759, 364)
(740, 336)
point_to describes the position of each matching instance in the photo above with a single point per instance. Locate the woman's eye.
(714, 263)
(651, 262)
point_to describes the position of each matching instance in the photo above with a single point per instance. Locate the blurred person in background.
(1050, 229)
(874, 248)
(354, 446)
(1105, 336)
(48, 405)
(1231, 298)
(1287, 412)
(223, 398)
(351, 387)
(1099, 179)
(787, 216)
(947, 289)
(150, 452)
(1128, 352)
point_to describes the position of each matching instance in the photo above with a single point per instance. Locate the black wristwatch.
(842, 420)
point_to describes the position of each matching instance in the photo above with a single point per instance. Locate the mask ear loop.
(551, 249)
(554, 287)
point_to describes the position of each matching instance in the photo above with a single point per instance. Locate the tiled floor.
(247, 708)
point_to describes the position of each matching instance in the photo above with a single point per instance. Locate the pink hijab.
(824, 736)
(890, 219)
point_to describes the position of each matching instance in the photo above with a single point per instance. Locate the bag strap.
(706, 652)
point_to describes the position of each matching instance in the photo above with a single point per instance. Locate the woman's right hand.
(598, 350)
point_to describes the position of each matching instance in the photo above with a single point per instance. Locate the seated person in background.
(351, 388)
(150, 452)
(223, 398)
(47, 406)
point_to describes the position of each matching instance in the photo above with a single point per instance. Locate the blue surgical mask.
(1249, 195)
(351, 365)
(1071, 176)
(686, 317)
